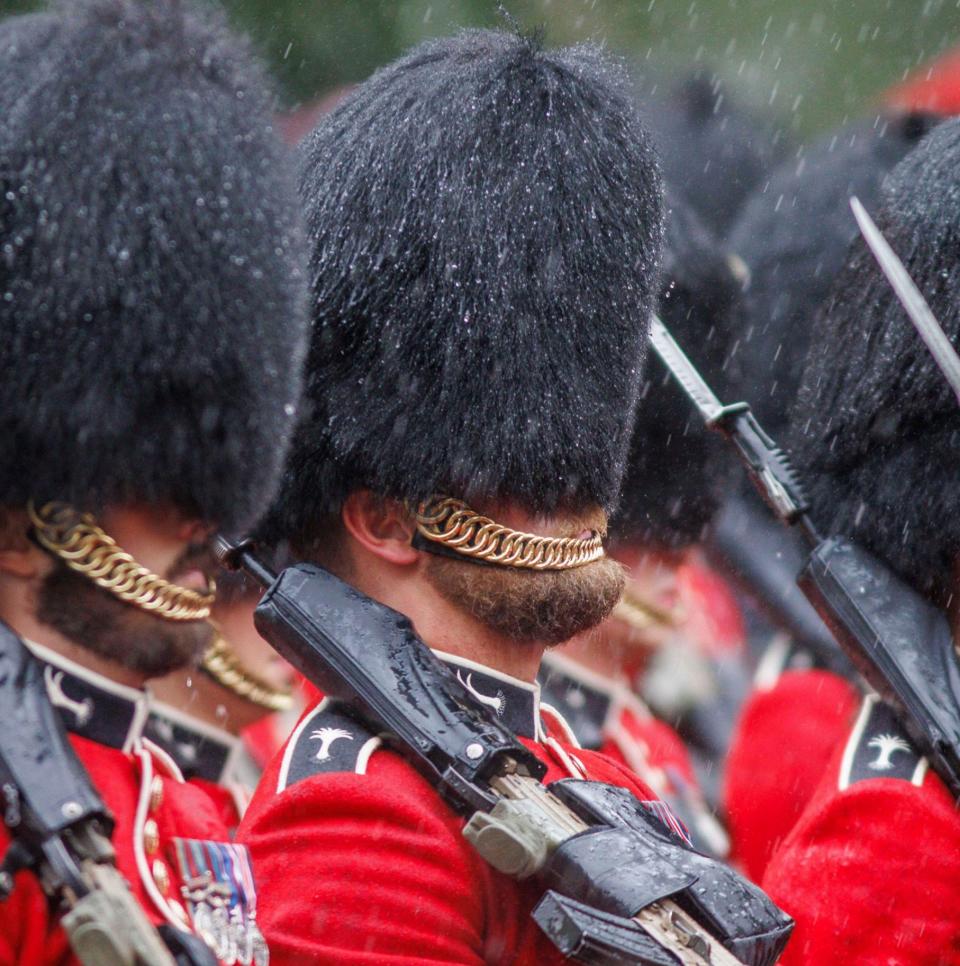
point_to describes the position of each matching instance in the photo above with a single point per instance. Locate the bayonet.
(913, 302)
(769, 468)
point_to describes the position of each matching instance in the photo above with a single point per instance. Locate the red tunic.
(871, 872)
(359, 860)
(159, 818)
(785, 737)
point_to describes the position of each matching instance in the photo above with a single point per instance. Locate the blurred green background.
(811, 62)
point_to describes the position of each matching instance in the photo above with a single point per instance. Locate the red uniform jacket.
(360, 861)
(605, 715)
(167, 831)
(871, 872)
(788, 730)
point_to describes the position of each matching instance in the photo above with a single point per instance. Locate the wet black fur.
(486, 228)
(713, 151)
(876, 428)
(677, 470)
(151, 303)
(793, 236)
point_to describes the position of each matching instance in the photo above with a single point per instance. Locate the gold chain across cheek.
(452, 523)
(223, 665)
(75, 538)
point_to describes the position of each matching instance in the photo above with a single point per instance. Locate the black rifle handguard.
(900, 643)
(366, 654)
(765, 559)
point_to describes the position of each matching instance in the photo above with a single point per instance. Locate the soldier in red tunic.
(870, 870)
(486, 225)
(151, 317)
(793, 238)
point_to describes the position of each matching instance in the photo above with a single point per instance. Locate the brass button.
(161, 876)
(151, 836)
(156, 792)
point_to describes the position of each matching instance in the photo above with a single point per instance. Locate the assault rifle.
(898, 641)
(620, 887)
(60, 831)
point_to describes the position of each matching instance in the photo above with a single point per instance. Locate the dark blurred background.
(809, 62)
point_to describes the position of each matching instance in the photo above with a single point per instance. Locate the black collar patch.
(199, 749)
(583, 705)
(91, 705)
(516, 703)
(327, 740)
(879, 747)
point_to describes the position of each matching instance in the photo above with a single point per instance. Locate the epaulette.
(879, 747)
(328, 740)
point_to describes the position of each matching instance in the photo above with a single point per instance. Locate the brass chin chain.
(452, 523)
(642, 615)
(76, 539)
(228, 671)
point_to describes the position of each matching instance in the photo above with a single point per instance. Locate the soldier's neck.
(445, 627)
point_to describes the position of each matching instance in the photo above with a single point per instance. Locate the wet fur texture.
(486, 227)
(793, 236)
(152, 303)
(677, 471)
(876, 427)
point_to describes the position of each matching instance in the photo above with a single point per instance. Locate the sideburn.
(549, 607)
(119, 632)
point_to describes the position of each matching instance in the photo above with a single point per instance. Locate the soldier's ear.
(19, 556)
(383, 527)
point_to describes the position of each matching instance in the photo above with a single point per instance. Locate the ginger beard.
(547, 607)
(135, 639)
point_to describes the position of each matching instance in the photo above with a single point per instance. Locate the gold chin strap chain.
(642, 615)
(452, 523)
(76, 539)
(223, 665)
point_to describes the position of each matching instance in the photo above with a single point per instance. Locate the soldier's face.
(170, 546)
(548, 607)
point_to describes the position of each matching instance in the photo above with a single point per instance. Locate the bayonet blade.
(913, 302)
(683, 370)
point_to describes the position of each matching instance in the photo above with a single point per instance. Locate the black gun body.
(369, 656)
(900, 643)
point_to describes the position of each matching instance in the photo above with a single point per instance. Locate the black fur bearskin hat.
(152, 291)
(793, 237)
(876, 429)
(714, 151)
(486, 227)
(677, 470)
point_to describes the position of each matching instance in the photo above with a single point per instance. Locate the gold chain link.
(76, 539)
(642, 614)
(222, 664)
(452, 523)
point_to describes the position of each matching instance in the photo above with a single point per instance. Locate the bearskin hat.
(152, 295)
(714, 152)
(793, 236)
(876, 429)
(486, 227)
(676, 471)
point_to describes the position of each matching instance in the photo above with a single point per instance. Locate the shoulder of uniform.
(879, 747)
(328, 740)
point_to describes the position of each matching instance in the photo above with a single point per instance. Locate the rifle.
(620, 887)
(765, 560)
(898, 641)
(60, 830)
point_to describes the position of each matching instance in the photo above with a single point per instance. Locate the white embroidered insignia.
(496, 703)
(887, 746)
(82, 710)
(327, 736)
